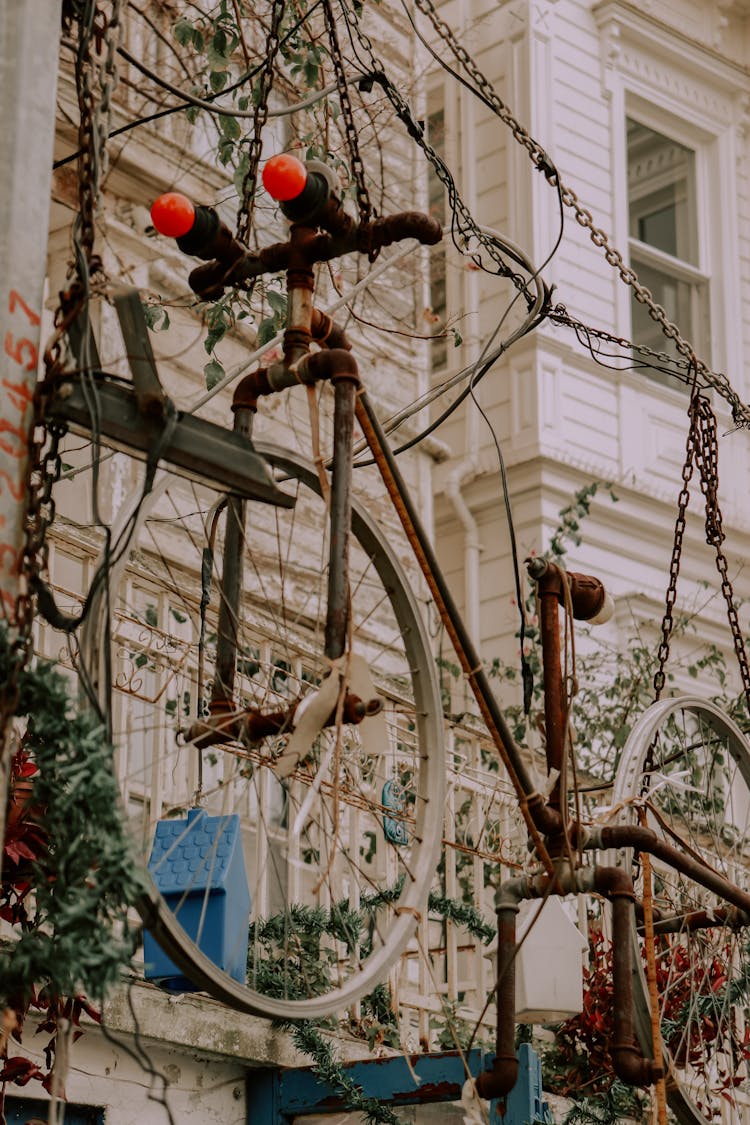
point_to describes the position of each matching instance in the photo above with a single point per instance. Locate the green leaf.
(152, 617)
(277, 301)
(191, 113)
(230, 127)
(213, 373)
(217, 80)
(266, 330)
(183, 32)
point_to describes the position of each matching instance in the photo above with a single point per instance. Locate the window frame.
(699, 277)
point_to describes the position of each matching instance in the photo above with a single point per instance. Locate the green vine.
(75, 936)
(307, 1038)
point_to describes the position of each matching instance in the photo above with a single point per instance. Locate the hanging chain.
(539, 158)
(707, 457)
(96, 79)
(98, 36)
(683, 500)
(352, 143)
(464, 222)
(702, 449)
(261, 94)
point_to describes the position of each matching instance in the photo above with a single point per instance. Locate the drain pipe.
(628, 1061)
(465, 472)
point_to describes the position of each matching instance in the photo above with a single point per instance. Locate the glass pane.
(685, 305)
(661, 193)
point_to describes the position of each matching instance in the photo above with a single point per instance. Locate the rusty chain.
(357, 167)
(667, 624)
(702, 450)
(464, 221)
(539, 158)
(261, 94)
(707, 458)
(96, 79)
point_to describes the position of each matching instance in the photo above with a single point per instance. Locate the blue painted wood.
(389, 1080)
(275, 1096)
(525, 1103)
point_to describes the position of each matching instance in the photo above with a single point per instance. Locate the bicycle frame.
(546, 818)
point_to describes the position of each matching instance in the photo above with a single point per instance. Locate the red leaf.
(19, 1070)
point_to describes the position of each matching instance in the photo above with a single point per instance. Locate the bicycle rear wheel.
(340, 844)
(690, 764)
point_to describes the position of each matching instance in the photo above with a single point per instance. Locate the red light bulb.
(284, 177)
(172, 214)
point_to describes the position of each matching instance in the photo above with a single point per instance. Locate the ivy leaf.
(266, 330)
(217, 80)
(277, 301)
(183, 32)
(229, 126)
(213, 373)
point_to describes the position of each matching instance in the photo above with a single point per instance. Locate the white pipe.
(464, 472)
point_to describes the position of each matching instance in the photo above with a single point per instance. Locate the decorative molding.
(662, 58)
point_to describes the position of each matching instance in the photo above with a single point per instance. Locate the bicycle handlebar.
(321, 230)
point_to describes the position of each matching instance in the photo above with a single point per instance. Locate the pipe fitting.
(327, 333)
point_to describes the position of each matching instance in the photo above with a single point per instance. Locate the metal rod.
(230, 589)
(532, 803)
(337, 617)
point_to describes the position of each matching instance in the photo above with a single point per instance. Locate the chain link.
(740, 412)
(702, 449)
(261, 94)
(96, 79)
(463, 219)
(352, 142)
(707, 457)
(683, 500)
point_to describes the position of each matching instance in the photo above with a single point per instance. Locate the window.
(663, 239)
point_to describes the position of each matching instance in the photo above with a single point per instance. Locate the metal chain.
(463, 218)
(538, 156)
(261, 94)
(707, 457)
(352, 143)
(702, 449)
(682, 369)
(683, 500)
(98, 35)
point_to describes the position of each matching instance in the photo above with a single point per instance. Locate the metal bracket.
(140, 419)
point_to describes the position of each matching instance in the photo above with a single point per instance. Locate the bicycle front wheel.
(689, 764)
(341, 842)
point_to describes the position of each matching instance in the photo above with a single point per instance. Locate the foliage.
(307, 1037)
(71, 872)
(578, 1064)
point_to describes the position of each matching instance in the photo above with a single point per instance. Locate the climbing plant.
(69, 872)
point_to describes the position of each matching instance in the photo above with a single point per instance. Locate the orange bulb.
(172, 214)
(284, 177)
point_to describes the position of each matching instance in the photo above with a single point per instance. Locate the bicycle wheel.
(691, 765)
(340, 844)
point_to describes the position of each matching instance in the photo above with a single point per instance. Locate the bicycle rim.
(340, 853)
(691, 765)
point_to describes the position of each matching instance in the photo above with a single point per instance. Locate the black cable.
(186, 105)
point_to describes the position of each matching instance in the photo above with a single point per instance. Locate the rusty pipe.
(325, 365)
(501, 1079)
(230, 589)
(554, 701)
(646, 840)
(628, 1061)
(346, 385)
(327, 333)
